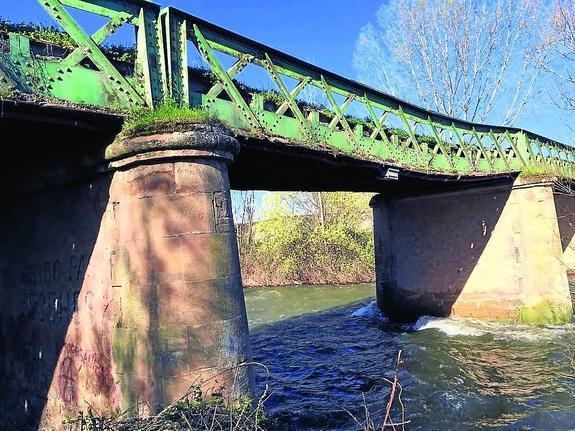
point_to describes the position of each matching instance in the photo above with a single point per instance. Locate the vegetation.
(193, 412)
(475, 61)
(56, 37)
(7, 92)
(368, 423)
(49, 35)
(189, 413)
(546, 171)
(167, 116)
(310, 238)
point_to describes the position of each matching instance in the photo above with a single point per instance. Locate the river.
(328, 347)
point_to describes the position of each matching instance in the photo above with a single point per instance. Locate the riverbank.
(255, 274)
(307, 238)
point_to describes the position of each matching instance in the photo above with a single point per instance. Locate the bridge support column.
(121, 288)
(492, 252)
(176, 269)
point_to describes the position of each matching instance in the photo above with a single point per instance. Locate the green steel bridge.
(120, 278)
(388, 130)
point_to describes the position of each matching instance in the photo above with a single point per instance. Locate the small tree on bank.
(311, 238)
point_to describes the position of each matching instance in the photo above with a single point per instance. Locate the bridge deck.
(63, 143)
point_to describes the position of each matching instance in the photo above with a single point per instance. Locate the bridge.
(120, 282)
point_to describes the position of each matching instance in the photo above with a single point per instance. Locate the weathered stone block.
(491, 252)
(204, 176)
(146, 180)
(103, 284)
(208, 256)
(182, 214)
(184, 302)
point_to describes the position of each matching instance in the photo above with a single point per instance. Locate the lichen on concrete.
(199, 136)
(546, 313)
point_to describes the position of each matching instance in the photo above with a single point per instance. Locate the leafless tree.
(307, 203)
(245, 210)
(556, 54)
(470, 59)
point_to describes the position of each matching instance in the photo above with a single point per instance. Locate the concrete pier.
(494, 252)
(121, 291)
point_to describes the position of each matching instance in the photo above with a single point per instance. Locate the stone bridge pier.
(496, 252)
(120, 291)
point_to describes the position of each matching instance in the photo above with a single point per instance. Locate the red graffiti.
(67, 381)
(103, 381)
(100, 379)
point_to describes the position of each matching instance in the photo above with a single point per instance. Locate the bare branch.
(465, 58)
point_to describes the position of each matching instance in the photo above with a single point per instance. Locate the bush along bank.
(307, 238)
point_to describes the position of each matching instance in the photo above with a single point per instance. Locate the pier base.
(121, 292)
(492, 253)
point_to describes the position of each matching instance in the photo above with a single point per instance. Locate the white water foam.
(469, 327)
(371, 311)
(454, 326)
(448, 326)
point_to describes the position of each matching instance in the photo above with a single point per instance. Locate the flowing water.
(327, 348)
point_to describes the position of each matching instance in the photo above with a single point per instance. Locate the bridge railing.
(86, 74)
(426, 140)
(387, 129)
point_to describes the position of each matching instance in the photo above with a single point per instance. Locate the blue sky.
(317, 31)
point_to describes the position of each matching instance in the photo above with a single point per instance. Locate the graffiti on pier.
(96, 366)
(68, 381)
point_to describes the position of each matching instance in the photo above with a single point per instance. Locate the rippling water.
(328, 347)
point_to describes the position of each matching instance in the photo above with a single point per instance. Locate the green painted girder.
(428, 141)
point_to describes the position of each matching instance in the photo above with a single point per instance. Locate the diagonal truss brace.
(270, 67)
(294, 93)
(440, 142)
(236, 68)
(100, 36)
(339, 116)
(500, 150)
(378, 123)
(224, 79)
(92, 51)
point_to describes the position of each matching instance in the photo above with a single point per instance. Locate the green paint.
(112, 76)
(546, 313)
(428, 142)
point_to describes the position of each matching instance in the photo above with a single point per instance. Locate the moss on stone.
(167, 117)
(124, 349)
(211, 136)
(220, 255)
(124, 345)
(546, 313)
